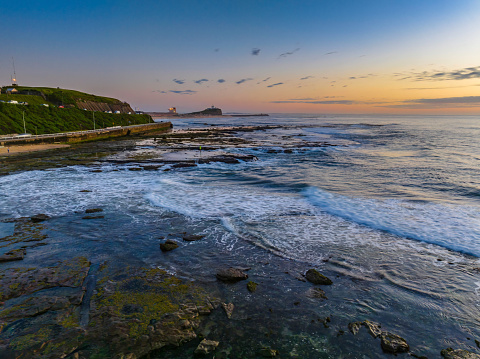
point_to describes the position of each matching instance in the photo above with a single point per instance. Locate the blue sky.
(276, 56)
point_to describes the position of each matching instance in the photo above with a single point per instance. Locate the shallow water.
(390, 211)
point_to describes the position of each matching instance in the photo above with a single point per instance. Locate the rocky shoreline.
(73, 308)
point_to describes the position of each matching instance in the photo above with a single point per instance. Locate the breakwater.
(91, 135)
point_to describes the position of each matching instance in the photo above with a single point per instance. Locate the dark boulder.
(393, 343)
(169, 245)
(252, 286)
(192, 237)
(316, 277)
(93, 210)
(39, 218)
(231, 275)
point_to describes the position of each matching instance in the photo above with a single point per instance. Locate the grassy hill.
(40, 119)
(58, 96)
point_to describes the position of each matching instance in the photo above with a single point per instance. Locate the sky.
(273, 56)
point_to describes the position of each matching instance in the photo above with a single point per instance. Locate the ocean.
(386, 206)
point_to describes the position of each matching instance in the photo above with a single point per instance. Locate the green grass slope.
(32, 100)
(42, 120)
(60, 96)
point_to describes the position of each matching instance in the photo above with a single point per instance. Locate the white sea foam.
(57, 192)
(456, 227)
(205, 200)
(286, 224)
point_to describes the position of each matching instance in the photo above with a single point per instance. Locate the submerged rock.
(316, 277)
(13, 255)
(393, 343)
(354, 327)
(192, 237)
(231, 275)
(169, 245)
(316, 293)
(93, 217)
(450, 353)
(206, 346)
(268, 352)
(373, 328)
(228, 309)
(252, 286)
(93, 210)
(39, 218)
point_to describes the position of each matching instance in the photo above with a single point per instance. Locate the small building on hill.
(11, 91)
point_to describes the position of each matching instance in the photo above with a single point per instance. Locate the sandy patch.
(11, 150)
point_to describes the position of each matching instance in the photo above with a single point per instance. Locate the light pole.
(24, 127)
(93, 120)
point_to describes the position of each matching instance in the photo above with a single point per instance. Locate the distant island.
(208, 112)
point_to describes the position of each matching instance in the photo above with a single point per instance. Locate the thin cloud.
(330, 53)
(307, 77)
(449, 100)
(180, 82)
(268, 78)
(184, 92)
(199, 82)
(328, 100)
(285, 54)
(455, 75)
(159, 91)
(277, 84)
(323, 102)
(439, 88)
(220, 81)
(443, 102)
(243, 80)
(255, 52)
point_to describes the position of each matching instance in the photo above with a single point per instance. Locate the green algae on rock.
(315, 277)
(252, 286)
(145, 311)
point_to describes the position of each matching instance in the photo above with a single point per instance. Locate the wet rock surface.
(206, 346)
(228, 308)
(132, 313)
(192, 237)
(316, 277)
(168, 245)
(231, 275)
(450, 353)
(393, 343)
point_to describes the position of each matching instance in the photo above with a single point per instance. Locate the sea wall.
(92, 135)
(105, 107)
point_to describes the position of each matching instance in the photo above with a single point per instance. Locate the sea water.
(388, 206)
